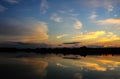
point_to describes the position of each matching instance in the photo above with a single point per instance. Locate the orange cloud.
(89, 36)
(97, 38)
(109, 40)
(112, 43)
(39, 33)
(61, 36)
(109, 21)
(109, 37)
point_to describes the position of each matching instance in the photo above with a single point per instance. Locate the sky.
(61, 22)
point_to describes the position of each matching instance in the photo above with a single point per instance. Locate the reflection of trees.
(83, 51)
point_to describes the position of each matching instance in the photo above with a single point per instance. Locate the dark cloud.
(7, 29)
(2, 8)
(72, 43)
(24, 45)
(23, 30)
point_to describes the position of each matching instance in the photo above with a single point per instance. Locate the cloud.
(69, 12)
(89, 36)
(12, 1)
(115, 15)
(109, 40)
(61, 36)
(109, 37)
(74, 14)
(110, 8)
(62, 11)
(44, 6)
(23, 31)
(109, 21)
(56, 18)
(24, 45)
(99, 38)
(106, 4)
(93, 16)
(114, 43)
(96, 3)
(72, 43)
(78, 24)
(2, 8)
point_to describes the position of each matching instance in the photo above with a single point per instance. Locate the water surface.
(51, 66)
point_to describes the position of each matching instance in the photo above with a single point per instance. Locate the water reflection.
(39, 65)
(53, 66)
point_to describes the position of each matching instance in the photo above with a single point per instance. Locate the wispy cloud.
(106, 4)
(61, 36)
(69, 12)
(56, 18)
(44, 5)
(93, 16)
(110, 23)
(12, 1)
(110, 8)
(62, 11)
(2, 8)
(78, 24)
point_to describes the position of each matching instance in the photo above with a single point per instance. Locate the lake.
(52, 66)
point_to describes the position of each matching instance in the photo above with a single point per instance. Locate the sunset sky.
(59, 22)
